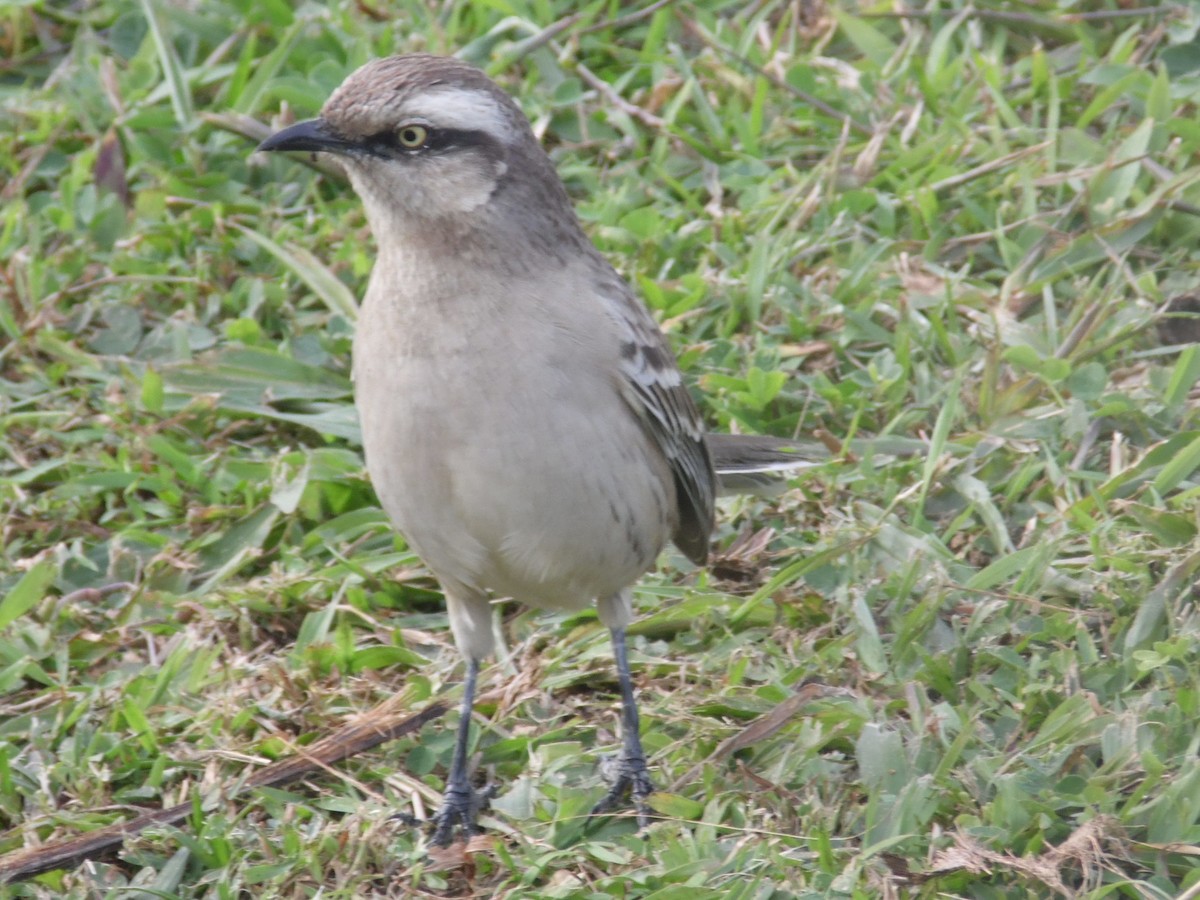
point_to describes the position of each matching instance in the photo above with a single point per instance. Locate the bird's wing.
(654, 389)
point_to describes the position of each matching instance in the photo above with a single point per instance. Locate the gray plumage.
(524, 421)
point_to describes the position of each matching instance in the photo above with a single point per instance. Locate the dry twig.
(366, 731)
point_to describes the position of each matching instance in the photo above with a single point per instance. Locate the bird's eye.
(412, 137)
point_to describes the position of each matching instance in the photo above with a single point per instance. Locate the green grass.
(960, 245)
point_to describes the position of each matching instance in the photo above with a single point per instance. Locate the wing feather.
(654, 389)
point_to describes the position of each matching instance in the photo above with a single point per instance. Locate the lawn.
(951, 250)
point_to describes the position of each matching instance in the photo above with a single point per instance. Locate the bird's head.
(428, 140)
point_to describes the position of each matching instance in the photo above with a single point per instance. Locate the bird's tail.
(760, 464)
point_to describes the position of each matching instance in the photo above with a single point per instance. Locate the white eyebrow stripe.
(449, 107)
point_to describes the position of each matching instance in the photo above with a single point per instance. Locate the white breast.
(501, 446)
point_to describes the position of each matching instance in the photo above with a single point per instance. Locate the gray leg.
(461, 803)
(633, 776)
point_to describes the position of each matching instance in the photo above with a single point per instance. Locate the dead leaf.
(1082, 851)
(741, 562)
(762, 727)
(109, 169)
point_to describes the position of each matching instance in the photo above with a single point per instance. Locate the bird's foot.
(632, 780)
(461, 806)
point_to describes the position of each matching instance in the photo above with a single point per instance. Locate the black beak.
(315, 134)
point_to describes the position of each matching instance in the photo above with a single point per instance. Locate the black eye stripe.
(387, 143)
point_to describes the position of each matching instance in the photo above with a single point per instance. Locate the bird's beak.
(315, 134)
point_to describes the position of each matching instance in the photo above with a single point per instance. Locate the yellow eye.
(412, 137)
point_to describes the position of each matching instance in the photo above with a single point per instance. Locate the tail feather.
(757, 464)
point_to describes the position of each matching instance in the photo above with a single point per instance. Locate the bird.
(524, 422)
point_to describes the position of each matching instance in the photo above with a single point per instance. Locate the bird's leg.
(633, 776)
(461, 803)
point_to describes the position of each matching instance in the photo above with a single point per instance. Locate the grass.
(960, 660)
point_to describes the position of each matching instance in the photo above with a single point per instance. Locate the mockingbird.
(524, 422)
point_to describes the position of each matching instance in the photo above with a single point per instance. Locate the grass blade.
(181, 98)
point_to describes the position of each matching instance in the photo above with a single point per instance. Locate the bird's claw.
(460, 808)
(632, 780)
